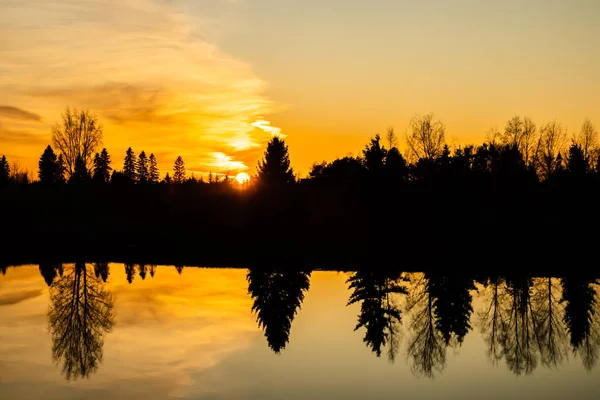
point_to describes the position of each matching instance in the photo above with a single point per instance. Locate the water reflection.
(277, 296)
(79, 316)
(380, 313)
(524, 322)
(581, 317)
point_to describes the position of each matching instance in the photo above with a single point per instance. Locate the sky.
(213, 80)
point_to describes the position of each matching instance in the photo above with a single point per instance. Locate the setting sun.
(242, 178)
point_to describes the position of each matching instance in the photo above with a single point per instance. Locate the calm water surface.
(127, 331)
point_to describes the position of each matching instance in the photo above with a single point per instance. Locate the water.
(202, 333)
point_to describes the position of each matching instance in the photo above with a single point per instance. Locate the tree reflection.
(152, 270)
(581, 317)
(427, 346)
(491, 319)
(379, 314)
(49, 271)
(80, 314)
(143, 271)
(452, 303)
(130, 272)
(550, 332)
(518, 334)
(277, 295)
(101, 270)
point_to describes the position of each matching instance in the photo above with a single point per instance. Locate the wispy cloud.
(17, 113)
(142, 67)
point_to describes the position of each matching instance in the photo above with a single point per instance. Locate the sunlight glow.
(266, 126)
(242, 178)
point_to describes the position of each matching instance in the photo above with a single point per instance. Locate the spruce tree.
(129, 166)
(179, 170)
(80, 173)
(102, 167)
(50, 170)
(4, 171)
(274, 170)
(153, 174)
(142, 168)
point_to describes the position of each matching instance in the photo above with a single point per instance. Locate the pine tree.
(80, 173)
(153, 169)
(167, 179)
(274, 170)
(50, 170)
(142, 168)
(179, 170)
(102, 167)
(4, 171)
(129, 165)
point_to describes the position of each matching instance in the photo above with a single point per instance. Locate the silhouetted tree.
(274, 170)
(79, 316)
(587, 139)
(577, 164)
(50, 170)
(550, 331)
(579, 295)
(427, 138)
(452, 302)
(4, 171)
(379, 314)
(49, 272)
(179, 170)
(277, 295)
(130, 272)
(80, 173)
(521, 135)
(102, 167)
(426, 347)
(142, 270)
(167, 179)
(374, 156)
(492, 319)
(143, 175)
(129, 166)
(518, 338)
(101, 270)
(153, 175)
(342, 171)
(78, 136)
(551, 144)
(395, 166)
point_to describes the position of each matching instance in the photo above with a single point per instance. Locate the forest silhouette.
(526, 322)
(522, 199)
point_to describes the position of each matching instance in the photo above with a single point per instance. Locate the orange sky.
(213, 80)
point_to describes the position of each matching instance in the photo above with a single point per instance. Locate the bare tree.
(529, 141)
(551, 144)
(587, 139)
(427, 138)
(391, 138)
(520, 133)
(79, 135)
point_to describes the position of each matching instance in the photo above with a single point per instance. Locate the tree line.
(521, 152)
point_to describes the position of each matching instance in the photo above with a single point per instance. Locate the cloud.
(14, 298)
(21, 136)
(266, 126)
(143, 68)
(17, 113)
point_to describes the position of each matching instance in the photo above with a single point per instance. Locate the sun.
(242, 178)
